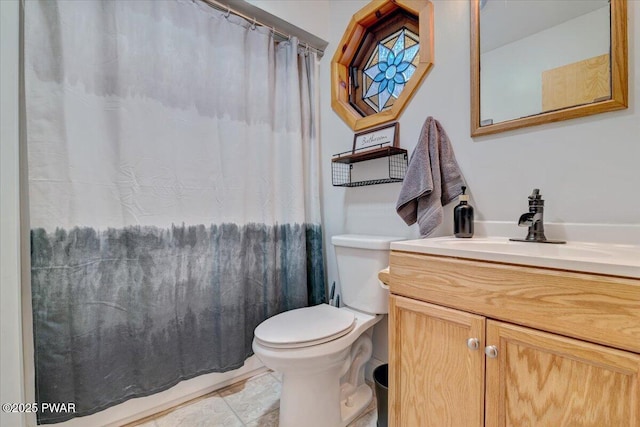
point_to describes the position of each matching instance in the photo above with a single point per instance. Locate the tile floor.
(250, 403)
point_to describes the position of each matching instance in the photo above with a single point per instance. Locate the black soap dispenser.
(463, 216)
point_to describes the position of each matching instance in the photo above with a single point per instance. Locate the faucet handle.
(535, 195)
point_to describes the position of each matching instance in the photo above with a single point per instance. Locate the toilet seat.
(305, 327)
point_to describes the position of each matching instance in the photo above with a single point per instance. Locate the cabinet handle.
(491, 351)
(473, 343)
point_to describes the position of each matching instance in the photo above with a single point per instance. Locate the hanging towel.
(433, 179)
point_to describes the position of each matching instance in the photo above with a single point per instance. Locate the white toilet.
(322, 350)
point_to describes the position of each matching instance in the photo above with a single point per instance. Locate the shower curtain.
(173, 166)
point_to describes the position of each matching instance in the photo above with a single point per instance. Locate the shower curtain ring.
(253, 25)
(226, 15)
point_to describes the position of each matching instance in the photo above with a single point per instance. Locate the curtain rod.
(276, 32)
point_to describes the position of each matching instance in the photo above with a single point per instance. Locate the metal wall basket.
(342, 166)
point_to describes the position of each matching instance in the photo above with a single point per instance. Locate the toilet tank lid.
(364, 241)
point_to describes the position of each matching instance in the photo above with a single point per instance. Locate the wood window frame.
(370, 19)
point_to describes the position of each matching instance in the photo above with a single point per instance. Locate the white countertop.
(602, 258)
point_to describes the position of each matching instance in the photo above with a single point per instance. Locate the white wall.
(12, 387)
(588, 169)
(310, 15)
(511, 75)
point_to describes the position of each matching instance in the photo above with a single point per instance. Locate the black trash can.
(381, 379)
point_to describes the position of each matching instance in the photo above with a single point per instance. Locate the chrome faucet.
(534, 219)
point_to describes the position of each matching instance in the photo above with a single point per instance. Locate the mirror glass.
(542, 56)
(541, 61)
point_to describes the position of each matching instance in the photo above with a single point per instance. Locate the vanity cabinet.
(433, 374)
(476, 343)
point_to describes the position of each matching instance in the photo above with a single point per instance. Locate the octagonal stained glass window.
(389, 68)
(383, 56)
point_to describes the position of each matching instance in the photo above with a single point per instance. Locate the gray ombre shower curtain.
(174, 194)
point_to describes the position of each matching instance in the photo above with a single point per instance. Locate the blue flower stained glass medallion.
(389, 68)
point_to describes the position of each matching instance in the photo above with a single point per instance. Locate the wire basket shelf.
(342, 166)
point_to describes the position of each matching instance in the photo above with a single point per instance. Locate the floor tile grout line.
(273, 374)
(233, 411)
(247, 381)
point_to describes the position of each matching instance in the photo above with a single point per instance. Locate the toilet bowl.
(322, 350)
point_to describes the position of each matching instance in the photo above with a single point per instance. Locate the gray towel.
(433, 179)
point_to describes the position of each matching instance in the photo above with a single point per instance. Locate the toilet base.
(311, 400)
(314, 406)
(358, 402)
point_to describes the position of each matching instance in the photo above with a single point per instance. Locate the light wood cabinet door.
(435, 378)
(540, 379)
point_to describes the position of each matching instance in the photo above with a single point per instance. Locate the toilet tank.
(360, 258)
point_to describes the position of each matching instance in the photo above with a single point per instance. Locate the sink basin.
(572, 250)
(619, 260)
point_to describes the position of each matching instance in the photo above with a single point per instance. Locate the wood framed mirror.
(536, 62)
